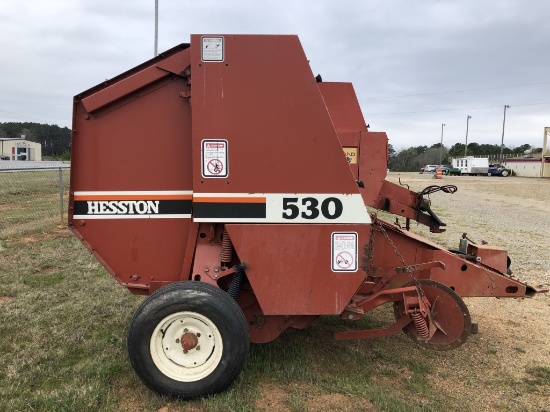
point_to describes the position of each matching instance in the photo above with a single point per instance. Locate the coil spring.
(226, 254)
(237, 282)
(421, 326)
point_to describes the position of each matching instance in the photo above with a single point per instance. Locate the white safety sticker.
(214, 158)
(344, 252)
(212, 49)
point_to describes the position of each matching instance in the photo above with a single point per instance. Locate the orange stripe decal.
(229, 199)
(133, 197)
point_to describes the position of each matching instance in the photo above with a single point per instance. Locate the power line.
(453, 110)
(40, 103)
(454, 91)
(27, 118)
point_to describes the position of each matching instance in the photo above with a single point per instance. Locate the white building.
(529, 166)
(19, 149)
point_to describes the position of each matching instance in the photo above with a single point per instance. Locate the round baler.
(230, 185)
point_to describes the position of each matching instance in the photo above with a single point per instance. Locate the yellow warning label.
(351, 154)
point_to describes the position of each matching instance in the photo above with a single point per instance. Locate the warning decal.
(214, 158)
(351, 154)
(212, 49)
(344, 252)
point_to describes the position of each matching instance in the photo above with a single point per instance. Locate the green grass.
(538, 376)
(54, 333)
(29, 201)
(63, 331)
(63, 347)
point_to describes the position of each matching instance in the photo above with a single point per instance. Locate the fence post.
(61, 194)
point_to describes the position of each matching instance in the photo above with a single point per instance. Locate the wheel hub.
(186, 346)
(189, 341)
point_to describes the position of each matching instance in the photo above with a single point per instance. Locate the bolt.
(206, 269)
(177, 341)
(198, 347)
(186, 330)
(350, 316)
(216, 269)
(184, 351)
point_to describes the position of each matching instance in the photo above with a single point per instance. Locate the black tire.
(504, 173)
(206, 317)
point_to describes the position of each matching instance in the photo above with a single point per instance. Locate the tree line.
(55, 140)
(413, 158)
(56, 143)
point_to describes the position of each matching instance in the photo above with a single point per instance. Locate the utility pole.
(466, 145)
(441, 146)
(156, 26)
(506, 106)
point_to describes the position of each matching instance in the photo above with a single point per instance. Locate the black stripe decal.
(132, 207)
(203, 210)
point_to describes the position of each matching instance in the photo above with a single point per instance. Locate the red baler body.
(198, 162)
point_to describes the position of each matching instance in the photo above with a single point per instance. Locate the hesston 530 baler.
(229, 184)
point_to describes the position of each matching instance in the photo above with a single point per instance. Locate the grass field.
(29, 201)
(63, 348)
(63, 331)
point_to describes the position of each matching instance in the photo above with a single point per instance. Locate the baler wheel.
(449, 312)
(188, 339)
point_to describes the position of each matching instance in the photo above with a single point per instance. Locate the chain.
(396, 251)
(369, 249)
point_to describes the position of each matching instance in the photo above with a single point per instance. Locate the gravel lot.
(494, 366)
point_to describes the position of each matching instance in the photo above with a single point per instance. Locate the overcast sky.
(414, 64)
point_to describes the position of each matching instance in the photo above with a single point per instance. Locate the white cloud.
(473, 50)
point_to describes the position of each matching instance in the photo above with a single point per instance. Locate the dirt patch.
(495, 366)
(274, 398)
(128, 401)
(5, 208)
(5, 299)
(338, 402)
(39, 237)
(279, 398)
(182, 408)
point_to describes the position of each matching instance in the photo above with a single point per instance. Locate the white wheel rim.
(182, 365)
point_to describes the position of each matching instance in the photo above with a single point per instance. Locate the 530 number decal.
(308, 208)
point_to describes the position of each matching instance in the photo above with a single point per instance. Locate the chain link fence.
(32, 199)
